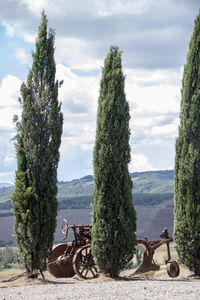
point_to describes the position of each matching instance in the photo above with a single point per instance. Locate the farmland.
(152, 198)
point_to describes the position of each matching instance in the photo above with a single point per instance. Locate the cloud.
(9, 159)
(126, 7)
(10, 30)
(9, 93)
(154, 112)
(151, 34)
(22, 56)
(35, 6)
(154, 124)
(154, 99)
(170, 130)
(140, 163)
(79, 96)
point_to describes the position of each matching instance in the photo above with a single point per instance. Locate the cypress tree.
(187, 162)
(37, 146)
(114, 217)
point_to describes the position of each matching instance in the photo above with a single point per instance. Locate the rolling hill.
(143, 182)
(152, 198)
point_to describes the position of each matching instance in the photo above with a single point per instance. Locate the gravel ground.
(139, 289)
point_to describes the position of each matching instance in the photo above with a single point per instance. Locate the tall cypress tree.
(114, 217)
(187, 162)
(37, 147)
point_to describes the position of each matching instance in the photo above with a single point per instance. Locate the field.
(159, 257)
(150, 221)
(160, 254)
(152, 198)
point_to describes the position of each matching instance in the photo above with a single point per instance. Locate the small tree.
(114, 218)
(38, 141)
(187, 163)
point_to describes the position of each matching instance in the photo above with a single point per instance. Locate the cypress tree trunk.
(37, 147)
(187, 162)
(114, 217)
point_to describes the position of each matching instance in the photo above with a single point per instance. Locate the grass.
(160, 254)
(7, 273)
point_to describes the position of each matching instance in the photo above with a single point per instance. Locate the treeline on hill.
(143, 199)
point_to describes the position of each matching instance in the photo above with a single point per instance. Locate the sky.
(154, 38)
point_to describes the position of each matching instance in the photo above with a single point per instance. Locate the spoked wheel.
(173, 269)
(64, 227)
(83, 263)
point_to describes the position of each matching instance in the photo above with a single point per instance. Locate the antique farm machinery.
(75, 257)
(148, 263)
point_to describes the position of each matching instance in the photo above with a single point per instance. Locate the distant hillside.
(152, 198)
(149, 188)
(143, 182)
(153, 181)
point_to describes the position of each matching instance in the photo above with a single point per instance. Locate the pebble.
(119, 290)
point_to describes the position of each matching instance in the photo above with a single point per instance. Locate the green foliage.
(139, 253)
(154, 182)
(77, 202)
(141, 199)
(8, 258)
(187, 163)
(146, 199)
(114, 217)
(37, 146)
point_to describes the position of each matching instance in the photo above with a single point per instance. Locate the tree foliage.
(114, 217)
(187, 163)
(37, 146)
(8, 258)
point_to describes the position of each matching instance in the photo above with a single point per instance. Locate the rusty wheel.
(60, 269)
(64, 227)
(83, 263)
(173, 269)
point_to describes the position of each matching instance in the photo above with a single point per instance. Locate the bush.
(9, 258)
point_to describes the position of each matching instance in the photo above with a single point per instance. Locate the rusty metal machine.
(75, 257)
(148, 263)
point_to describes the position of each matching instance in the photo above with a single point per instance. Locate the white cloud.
(102, 8)
(78, 94)
(22, 56)
(154, 98)
(166, 130)
(9, 93)
(85, 29)
(125, 7)
(10, 28)
(35, 6)
(77, 54)
(153, 37)
(9, 159)
(139, 163)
